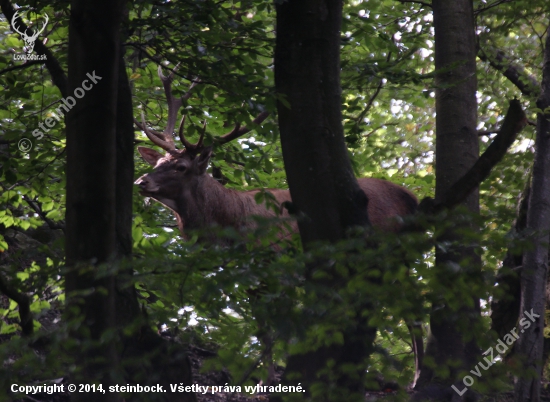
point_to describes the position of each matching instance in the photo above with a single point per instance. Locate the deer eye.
(181, 168)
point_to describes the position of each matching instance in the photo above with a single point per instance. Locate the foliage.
(227, 296)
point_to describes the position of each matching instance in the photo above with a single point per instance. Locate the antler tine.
(156, 138)
(201, 138)
(193, 85)
(173, 103)
(154, 132)
(184, 141)
(191, 147)
(239, 131)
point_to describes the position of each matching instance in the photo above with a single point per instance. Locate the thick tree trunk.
(457, 150)
(91, 186)
(307, 74)
(321, 180)
(127, 306)
(529, 347)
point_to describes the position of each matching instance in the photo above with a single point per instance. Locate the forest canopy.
(102, 284)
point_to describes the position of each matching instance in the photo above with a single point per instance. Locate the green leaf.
(6, 329)
(259, 197)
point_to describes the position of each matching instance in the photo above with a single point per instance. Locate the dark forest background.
(449, 99)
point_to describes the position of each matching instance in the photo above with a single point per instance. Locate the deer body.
(181, 183)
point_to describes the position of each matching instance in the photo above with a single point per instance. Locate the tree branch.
(20, 66)
(24, 303)
(362, 115)
(513, 123)
(423, 3)
(58, 75)
(372, 98)
(488, 7)
(516, 74)
(38, 209)
(487, 132)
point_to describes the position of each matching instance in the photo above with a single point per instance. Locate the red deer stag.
(180, 182)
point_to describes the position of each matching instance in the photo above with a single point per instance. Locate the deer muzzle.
(146, 185)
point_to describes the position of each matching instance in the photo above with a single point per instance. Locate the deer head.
(179, 178)
(180, 182)
(29, 39)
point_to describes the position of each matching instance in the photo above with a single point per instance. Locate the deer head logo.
(29, 39)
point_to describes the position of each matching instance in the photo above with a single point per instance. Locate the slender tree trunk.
(505, 307)
(91, 186)
(457, 150)
(321, 180)
(529, 346)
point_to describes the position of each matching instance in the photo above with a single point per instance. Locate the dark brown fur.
(180, 182)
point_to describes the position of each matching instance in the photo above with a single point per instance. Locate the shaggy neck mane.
(206, 203)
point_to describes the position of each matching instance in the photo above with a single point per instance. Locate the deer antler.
(235, 133)
(195, 148)
(165, 139)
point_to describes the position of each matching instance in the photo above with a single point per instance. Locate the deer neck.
(206, 203)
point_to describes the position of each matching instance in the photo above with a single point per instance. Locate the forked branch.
(240, 131)
(514, 122)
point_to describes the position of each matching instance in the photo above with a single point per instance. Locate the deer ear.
(150, 155)
(201, 162)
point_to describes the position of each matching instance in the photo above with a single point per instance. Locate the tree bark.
(529, 347)
(307, 74)
(100, 174)
(514, 122)
(457, 150)
(505, 307)
(325, 193)
(94, 51)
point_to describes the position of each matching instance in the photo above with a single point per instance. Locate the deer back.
(180, 182)
(386, 202)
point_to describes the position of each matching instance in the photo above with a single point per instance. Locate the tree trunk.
(320, 177)
(94, 54)
(529, 347)
(505, 306)
(457, 150)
